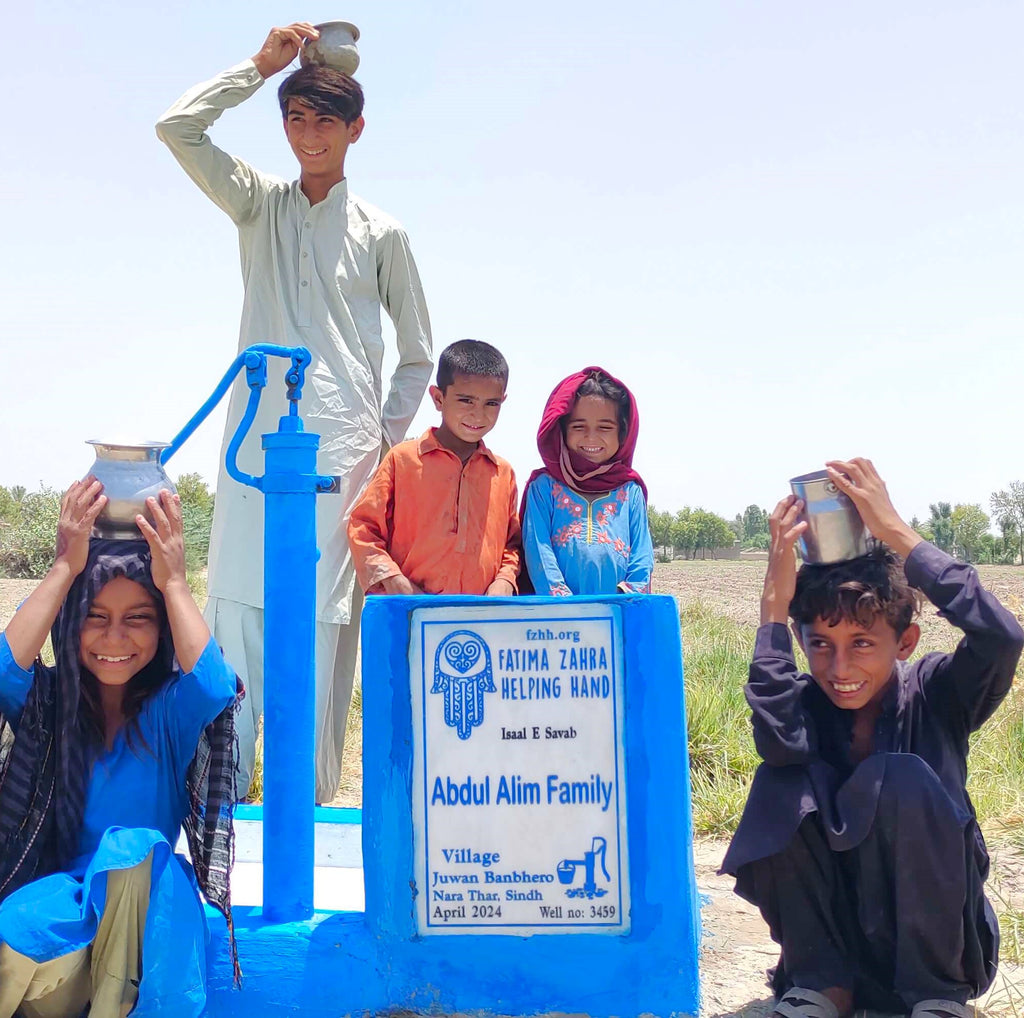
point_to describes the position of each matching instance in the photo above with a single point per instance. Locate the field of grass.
(722, 758)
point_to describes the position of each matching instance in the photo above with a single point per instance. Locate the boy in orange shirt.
(441, 514)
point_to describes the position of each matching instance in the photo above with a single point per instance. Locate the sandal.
(800, 1003)
(941, 1009)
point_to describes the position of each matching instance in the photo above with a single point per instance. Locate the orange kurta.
(449, 527)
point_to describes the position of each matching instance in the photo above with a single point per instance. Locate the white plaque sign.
(519, 795)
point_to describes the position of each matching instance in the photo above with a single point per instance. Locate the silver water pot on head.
(130, 472)
(835, 531)
(335, 48)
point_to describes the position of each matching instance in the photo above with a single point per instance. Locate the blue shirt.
(136, 800)
(575, 546)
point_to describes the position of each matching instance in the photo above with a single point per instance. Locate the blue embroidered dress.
(135, 803)
(574, 546)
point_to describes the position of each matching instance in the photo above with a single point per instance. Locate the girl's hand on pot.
(79, 507)
(166, 539)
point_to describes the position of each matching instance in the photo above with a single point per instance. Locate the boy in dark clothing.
(859, 842)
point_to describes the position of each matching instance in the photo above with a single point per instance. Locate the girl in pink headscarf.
(585, 512)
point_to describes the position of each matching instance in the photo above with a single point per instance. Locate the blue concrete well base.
(330, 966)
(352, 963)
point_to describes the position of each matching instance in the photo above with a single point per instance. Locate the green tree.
(196, 517)
(969, 522)
(711, 531)
(938, 528)
(736, 526)
(1008, 508)
(26, 544)
(990, 548)
(1010, 537)
(661, 529)
(684, 532)
(10, 507)
(193, 490)
(755, 521)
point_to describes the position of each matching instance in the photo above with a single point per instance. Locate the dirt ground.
(735, 948)
(12, 593)
(736, 951)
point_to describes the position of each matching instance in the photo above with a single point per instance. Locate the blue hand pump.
(290, 485)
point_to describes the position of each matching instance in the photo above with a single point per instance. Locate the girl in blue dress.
(129, 735)
(584, 514)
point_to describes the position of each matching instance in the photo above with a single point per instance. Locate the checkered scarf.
(45, 759)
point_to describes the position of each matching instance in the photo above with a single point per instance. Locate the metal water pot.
(335, 48)
(835, 532)
(130, 472)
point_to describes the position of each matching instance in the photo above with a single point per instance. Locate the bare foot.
(843, 999)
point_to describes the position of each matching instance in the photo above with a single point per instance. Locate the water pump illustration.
(567, 871)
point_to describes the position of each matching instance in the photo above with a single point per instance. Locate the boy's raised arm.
(783, 733)
(973, 679)
(976, 677)
(780, 577)
(230, 183)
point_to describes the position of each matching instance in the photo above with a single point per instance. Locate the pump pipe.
(251, 359)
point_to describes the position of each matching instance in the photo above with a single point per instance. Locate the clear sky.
(795, 229)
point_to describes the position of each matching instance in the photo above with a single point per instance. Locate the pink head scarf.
(569, 468)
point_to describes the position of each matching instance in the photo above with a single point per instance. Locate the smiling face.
(319, 141)
(121, 633)
(592, 430)
(469, 410)
(852, 663)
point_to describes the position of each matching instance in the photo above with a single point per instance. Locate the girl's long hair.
(61, 730)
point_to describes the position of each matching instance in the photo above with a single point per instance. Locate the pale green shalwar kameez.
(315, 276)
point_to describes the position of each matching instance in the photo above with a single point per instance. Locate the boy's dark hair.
(323, 89)
(597, 383)
(470, 357)
(858, 590)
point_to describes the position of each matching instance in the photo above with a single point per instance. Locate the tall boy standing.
(859, 842)
(441, 514)
(317, 263)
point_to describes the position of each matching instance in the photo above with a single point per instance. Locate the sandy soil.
(12, 593)
(735, 950)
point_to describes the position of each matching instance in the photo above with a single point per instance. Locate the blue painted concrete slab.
(340, 963)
